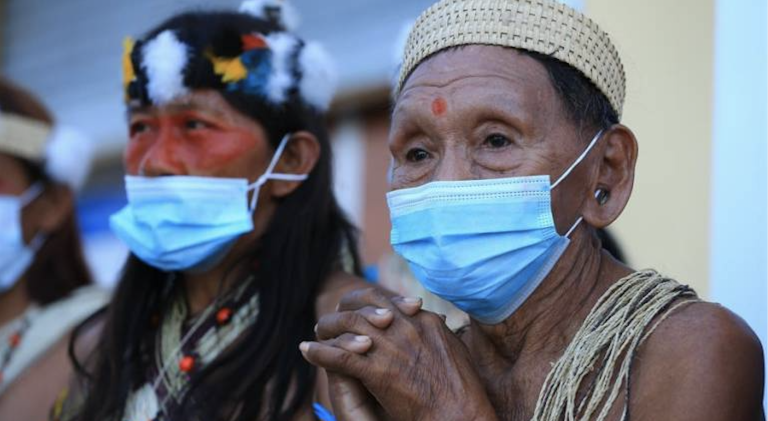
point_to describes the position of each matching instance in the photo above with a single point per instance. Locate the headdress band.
(23, 137)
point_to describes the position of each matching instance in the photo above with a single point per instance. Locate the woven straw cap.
(544, 26)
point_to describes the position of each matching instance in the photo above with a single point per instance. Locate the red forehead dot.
(439, 106)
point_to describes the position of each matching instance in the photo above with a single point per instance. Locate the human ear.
(299, 157)
(615, 177)
(48, 212)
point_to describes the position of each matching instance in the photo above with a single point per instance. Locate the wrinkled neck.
(545, 323)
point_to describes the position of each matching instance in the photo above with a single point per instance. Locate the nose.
(454, 165)
(163, 156)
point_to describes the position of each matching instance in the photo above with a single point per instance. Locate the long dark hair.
(263, 372)
(59, 266)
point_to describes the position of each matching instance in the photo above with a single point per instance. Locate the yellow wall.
(667, 51)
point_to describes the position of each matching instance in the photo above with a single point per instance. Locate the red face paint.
(215, 149)
(197, 135)
(439, 106)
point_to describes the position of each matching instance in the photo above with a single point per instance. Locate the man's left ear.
(615, 177)
(299, 157)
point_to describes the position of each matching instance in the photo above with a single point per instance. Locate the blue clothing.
(322, 414)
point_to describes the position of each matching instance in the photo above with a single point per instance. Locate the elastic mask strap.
(579, 159)
(581, 218)
(268, 175)
(37, 242)
(573, 227)
(33, 192)
(568, 171)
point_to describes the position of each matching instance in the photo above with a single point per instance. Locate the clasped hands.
(387, 358)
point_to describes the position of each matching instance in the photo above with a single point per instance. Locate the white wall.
(739, 223)
(349, 171)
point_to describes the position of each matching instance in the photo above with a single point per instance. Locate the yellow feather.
(230, 69)
(128, 72)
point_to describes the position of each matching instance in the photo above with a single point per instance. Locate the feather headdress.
(277, 66)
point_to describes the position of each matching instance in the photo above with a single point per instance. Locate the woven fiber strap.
(594, 370)
(23, 137)
(544, 26)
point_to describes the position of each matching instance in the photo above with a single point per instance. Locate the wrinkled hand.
(407, 358)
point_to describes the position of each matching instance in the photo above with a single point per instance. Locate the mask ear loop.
(598, 194)
(568, 171)
(579, 159)
(33, 192)
(268, 175)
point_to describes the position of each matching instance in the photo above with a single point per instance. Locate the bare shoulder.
(701, 363)
(339, 284)
(88, 335)
(32, 395)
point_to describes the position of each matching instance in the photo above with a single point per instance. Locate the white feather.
(319, 78)
(164, 60)
(282, 45)
(142, 404)
(289, 17)
(68, 156)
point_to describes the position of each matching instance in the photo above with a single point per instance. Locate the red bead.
(14, 340)
(223, 315)
(187, 364)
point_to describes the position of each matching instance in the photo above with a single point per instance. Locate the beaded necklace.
(11, 341)
(182, 348)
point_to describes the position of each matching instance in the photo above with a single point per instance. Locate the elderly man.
(508, 155)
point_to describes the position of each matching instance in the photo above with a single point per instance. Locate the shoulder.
(86, 309)
(87, 336)
(336, 286)
(34, 392)
(702, 362)
(704, 332)
(81, 343)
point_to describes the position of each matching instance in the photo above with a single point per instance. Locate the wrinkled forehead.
(483, 75)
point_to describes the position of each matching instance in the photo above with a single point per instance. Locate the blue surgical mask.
(15, 255)
(185, 223)
(483, 245)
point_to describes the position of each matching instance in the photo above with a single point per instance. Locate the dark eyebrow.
(177, 107)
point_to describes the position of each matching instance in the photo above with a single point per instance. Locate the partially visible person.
(237, 242)
(45, 285)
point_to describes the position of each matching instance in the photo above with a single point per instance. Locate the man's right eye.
(416, 155)
(138, 128)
